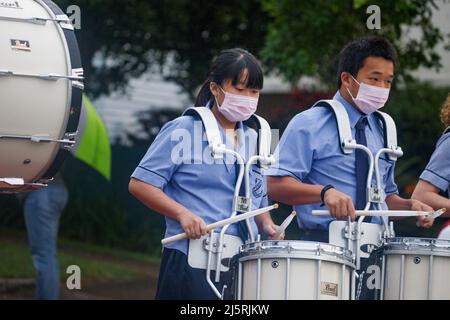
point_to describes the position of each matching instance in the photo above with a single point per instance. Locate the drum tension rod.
(36, 20)
(42, 138)
(51, 76)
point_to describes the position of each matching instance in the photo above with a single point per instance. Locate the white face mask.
(236, 107)
(370, 98)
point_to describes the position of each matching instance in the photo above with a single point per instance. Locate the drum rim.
(262, 256)
(421, 246)
(74, 103)
(255, 249)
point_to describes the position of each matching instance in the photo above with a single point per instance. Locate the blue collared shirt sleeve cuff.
(389, 193)
(434, 179)
(149, 177)
(279, 172)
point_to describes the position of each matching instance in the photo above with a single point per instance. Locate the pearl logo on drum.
(23, 45)
(329, 288)
(10, 4)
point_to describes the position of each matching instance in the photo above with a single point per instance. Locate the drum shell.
(32, 105)
(293, 274)
(417, 271)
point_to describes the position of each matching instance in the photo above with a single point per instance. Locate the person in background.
(42, 210)
(435, 179)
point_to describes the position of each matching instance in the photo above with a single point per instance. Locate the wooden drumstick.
(224, 222)
(284, 225)
(433, 216)
(375, 213)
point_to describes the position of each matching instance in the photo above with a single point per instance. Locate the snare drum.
(416, 268)
(40, 92)
(293, 270)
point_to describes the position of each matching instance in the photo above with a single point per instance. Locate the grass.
(96, 262)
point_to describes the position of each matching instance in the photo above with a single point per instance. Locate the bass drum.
(41, 83)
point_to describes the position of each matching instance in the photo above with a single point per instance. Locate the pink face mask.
(237, 107)
(370, 98)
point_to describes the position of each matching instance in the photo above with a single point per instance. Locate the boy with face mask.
(311, 167)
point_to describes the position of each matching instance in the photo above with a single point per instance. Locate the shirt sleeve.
(294, 154)
(265, 198)
(390, 185)
(162, 158)
(437, 171)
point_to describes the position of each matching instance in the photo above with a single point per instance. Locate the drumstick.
(224, 222)
(375, 213)
(434, 215)
(284, 225)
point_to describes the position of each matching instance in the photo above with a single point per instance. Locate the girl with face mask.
(179, 179)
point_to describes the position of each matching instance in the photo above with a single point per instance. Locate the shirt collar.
(353, 114)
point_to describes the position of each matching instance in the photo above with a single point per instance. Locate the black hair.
(354, 54)
(229, 65)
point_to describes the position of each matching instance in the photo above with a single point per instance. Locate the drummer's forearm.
(395, 202)
(436, 201)
(292, 192)
(429, 194)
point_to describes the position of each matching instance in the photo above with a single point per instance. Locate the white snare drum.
(416, 268)
(293, 270)
(40, 92)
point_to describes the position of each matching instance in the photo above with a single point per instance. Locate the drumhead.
(34, 104)
(405, 245)
(291, 248)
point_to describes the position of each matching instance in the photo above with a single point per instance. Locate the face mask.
(237, 107)
(370, 98)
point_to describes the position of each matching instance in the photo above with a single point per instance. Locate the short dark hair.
(229, 65)
(352, 57)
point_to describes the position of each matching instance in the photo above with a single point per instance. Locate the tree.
(305, 37)
(120, 40)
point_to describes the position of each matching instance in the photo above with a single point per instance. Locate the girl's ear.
(214, 89)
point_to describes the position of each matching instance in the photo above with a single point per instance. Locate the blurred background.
(144, 61)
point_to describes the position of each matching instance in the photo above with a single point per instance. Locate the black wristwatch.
(325, 189)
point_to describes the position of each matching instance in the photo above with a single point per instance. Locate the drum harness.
(241, 204)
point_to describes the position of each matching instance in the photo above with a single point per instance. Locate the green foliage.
(305, 37)
(130, 37)
(416, 112)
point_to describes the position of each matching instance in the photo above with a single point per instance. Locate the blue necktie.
(362, 164)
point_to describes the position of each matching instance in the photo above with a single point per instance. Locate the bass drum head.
(32, 105)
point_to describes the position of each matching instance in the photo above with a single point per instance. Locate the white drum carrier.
(211, 251)
(41, 83)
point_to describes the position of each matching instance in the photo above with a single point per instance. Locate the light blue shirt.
(179, 162)
(437, 171)
(310, 152)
